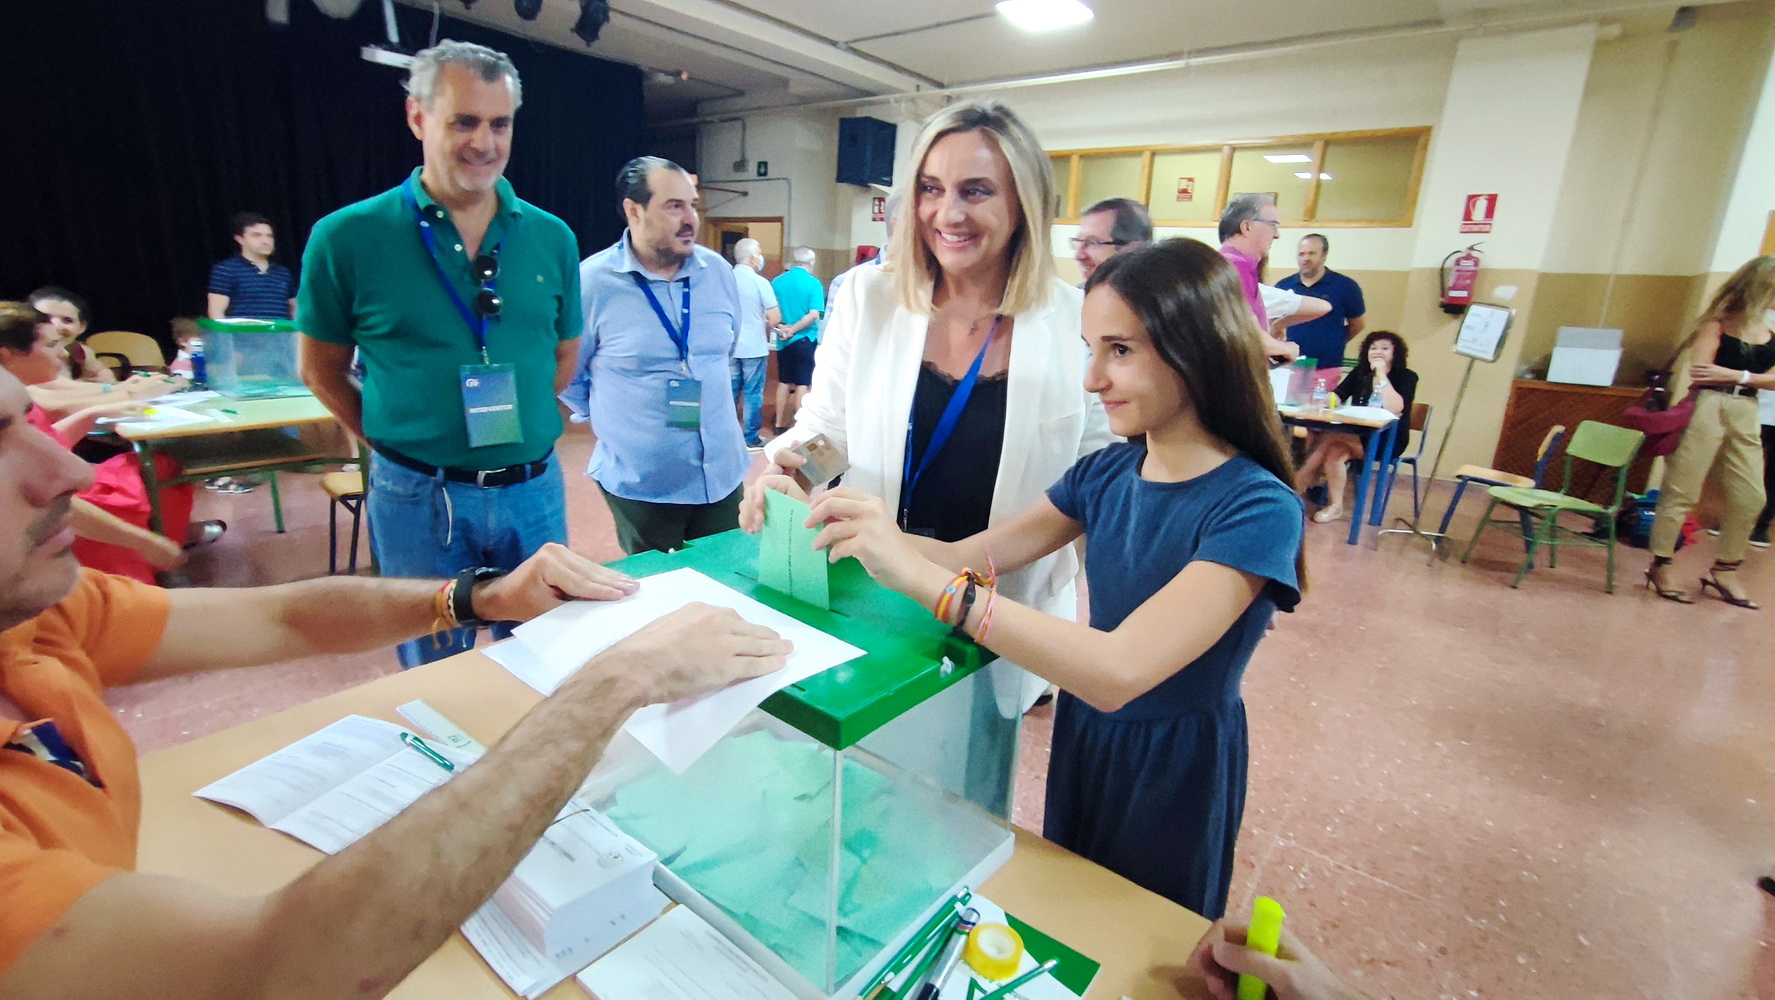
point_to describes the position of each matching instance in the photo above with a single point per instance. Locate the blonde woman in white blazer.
(970, 243)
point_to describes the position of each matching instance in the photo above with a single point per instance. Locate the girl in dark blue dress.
(1194, 542)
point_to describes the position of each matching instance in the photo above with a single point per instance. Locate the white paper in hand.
(546, 651)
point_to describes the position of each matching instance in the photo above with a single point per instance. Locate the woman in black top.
(1729, 362)
(1383, 368)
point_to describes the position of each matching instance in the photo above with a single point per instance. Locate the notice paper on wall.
(547, 650)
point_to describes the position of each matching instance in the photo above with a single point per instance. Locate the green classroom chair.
(1604, 444)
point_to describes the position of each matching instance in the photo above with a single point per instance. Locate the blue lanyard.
(680, 334)
(477, 324)
(945, 429)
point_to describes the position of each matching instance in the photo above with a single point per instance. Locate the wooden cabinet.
(1536, 406)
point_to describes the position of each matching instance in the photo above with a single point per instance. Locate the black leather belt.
(1736, 390)
(487, 479)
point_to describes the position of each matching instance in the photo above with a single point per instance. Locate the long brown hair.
(1749, 291)
(1193, 308)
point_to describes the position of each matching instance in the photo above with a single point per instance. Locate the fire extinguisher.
(1460, 273)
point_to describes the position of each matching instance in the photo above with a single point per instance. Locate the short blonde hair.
(1032, 260)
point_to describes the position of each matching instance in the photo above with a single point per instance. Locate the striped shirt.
(253, 294)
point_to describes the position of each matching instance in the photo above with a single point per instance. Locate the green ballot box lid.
(908, 655)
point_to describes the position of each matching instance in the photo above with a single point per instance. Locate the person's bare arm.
(217, 306)
(96, 524)
(1107, 669)
(350, 614)
(1276, 347)
(1310, 309)
(326, 370)
(812, 317)
(566, 363)
(773, 317)
(357, 923)
(96, 371)
(1354, 327)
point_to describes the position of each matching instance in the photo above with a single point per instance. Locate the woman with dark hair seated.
(1382, 369)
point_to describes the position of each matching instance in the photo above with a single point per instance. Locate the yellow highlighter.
(1265, 936)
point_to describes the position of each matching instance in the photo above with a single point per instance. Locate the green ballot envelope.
(787, 561)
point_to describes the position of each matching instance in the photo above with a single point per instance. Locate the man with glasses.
(463, 302)
(1247, 228)
(1106, 229)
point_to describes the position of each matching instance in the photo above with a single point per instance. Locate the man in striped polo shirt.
(248, 285)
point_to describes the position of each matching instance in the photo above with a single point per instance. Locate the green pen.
(1023, 980)
(430, 754)
(915, 946)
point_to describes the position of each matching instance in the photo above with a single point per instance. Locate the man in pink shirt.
(1247, 228)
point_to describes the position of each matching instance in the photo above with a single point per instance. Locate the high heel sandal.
(1652, 584)
(1712, 580)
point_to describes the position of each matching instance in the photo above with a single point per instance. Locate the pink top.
(1247, 268)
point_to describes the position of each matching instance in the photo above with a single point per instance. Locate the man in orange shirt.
(76, 920)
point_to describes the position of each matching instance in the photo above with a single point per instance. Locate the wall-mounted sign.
(1477, 216)
(878, 209)
(1186, 189)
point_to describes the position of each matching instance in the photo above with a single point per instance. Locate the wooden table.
(241, 435)
(1377, 447)
(1142, 940)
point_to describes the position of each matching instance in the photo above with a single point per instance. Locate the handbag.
(1655, 416)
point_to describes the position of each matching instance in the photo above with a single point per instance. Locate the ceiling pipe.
(1206, 57)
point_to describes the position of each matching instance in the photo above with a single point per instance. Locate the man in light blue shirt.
(662, 317)
(801, 298)
(751, 356)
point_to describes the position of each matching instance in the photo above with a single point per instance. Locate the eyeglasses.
(1091, 243)
(1271, 222)
(484, 270)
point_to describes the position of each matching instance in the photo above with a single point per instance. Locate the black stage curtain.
(138, 128)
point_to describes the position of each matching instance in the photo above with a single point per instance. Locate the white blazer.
(865, 374)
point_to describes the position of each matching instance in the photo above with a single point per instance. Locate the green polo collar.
(508, 199)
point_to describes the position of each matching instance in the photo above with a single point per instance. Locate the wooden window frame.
(1320, 142)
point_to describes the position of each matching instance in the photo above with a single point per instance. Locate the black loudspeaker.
(865, 151)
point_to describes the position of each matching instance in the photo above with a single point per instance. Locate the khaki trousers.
(1724, 437)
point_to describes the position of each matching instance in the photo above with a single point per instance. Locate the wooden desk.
(241, 435)
(1141, 939)
(1377, 440)
(1535, 406)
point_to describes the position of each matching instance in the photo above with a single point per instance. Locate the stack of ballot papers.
(546, 650)
(584, 887)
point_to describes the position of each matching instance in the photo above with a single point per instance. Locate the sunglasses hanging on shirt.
(485, 269)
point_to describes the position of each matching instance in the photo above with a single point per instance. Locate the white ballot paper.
(547, 650)
(680, 957)
(585, 886)
(165, 417)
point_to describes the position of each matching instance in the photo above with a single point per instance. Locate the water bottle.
(198, 372)
(1319, 392)
(1375, 398)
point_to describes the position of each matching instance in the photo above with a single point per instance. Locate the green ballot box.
(828, 826)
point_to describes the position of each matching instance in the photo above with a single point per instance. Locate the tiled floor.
(1457, 789)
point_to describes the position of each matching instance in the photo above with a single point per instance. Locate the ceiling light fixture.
(527, 9)
(1307, 175)
(1045, 15)
(1288, 157)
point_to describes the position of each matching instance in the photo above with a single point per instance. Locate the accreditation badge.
(490, 405)
(684, 403)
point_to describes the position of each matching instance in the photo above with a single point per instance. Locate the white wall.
(801, 147)
(1753, 195)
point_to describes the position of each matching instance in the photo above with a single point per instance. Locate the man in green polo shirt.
(462, 301)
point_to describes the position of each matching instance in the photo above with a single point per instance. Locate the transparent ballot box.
(251, 358)
(829, 825)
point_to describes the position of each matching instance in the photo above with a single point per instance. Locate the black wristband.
(462, 596)
(967, 606)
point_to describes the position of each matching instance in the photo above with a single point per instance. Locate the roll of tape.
(994, 951)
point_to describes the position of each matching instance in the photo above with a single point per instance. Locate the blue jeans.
(748, 378)
(426, 527)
